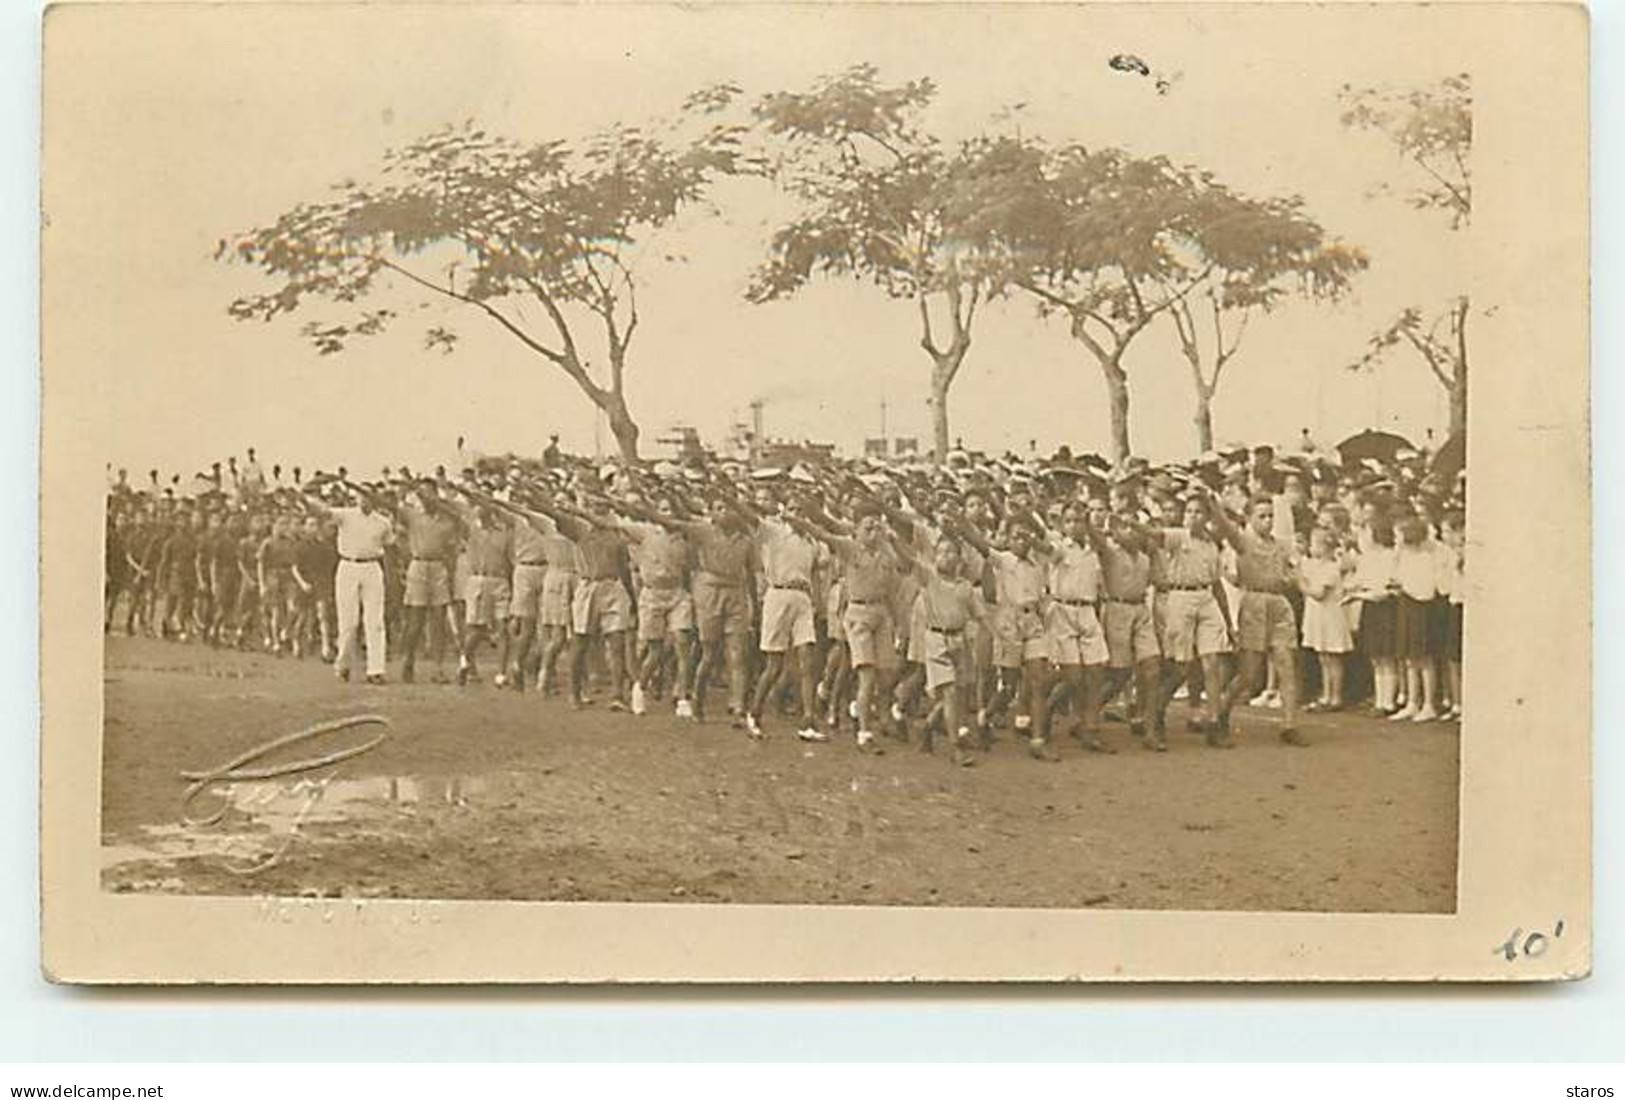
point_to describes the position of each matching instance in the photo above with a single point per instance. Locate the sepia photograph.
(901, 457)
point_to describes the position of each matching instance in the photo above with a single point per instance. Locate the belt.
(533, 564)
(797, 586)
(1188, 587)
(599, 580)
(864, 603)
(1077, 603)
(1135, 602)
(361, 561)
(950, 630)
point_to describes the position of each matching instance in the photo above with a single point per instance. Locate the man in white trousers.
(358, 585)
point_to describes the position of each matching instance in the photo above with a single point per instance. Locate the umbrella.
(1382, 446)
(1452, 457)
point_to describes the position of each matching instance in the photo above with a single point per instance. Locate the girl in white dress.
(1325, 626)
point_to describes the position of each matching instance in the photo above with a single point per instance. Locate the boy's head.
(1261, 514)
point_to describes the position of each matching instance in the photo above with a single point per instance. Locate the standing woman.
(1416, 570)
(1453, 584)
(1377, 611)
(1325, 626)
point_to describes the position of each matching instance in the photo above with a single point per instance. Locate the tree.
(1440, 338)
(1255, 252)
(553, 223)
(887, 203)
(1431, 129)
(1111, 241)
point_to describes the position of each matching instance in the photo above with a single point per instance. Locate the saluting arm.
(970, 534)
(1227, 528)
(571, 525)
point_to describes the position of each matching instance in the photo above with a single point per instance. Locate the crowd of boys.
(934, 604)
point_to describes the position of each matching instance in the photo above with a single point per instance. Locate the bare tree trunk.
(945, 362)
(1458, 390)
(1204, 420)
(613, 399)
(622, 424)
(1117, 393)
(939, 419)
(944, 368)
(1458, 402)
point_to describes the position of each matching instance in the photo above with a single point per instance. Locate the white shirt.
(1417, 570)
(362, 535)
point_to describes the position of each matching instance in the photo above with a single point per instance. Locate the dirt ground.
(492, 795)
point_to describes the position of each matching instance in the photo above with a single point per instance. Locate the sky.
(170, 127)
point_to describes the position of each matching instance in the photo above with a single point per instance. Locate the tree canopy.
(884, 201)
(1431, 128)
(484, 220)
(1112, 241)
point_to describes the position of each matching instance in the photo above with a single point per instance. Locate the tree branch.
(1139, 303)
(1430, 355)
(884, 144)
(1185, 326)
(1082, 335)
(970, 310)
(1461, 337)
(1226, 354)
(557, 317)
(1457, 198)
(559, 358)
(926, 340)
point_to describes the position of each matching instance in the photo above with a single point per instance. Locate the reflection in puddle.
(262, 819)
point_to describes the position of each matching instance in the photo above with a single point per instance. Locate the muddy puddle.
(260, 822)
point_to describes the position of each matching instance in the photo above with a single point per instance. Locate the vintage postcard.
(815, 492)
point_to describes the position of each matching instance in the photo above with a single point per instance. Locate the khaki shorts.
(1265, 622)
(1194, 624)
(1130, 635)
(558, 595)
(787, 620)
(428, 583)
(871, 635)
(486, 599)
(720, 610)
(947, 658)
(600, 607)
(1019, 636)
(663, 611)
(527, 591)
(460, 575)
(919, 644)
(835, 611)
(1075, 635)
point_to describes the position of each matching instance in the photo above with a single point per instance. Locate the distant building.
(782, 453)
(684, 439)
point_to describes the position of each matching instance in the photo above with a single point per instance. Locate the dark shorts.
(1450, 647)
(1379, 624)
(1414, 633)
